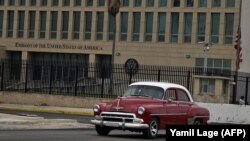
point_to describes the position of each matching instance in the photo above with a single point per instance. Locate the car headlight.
(96, 108)
(141, 110)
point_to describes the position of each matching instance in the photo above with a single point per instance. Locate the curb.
(54, 111)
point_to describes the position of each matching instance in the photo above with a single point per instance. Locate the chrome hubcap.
(154, 128)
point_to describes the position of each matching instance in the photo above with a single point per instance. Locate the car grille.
(117, 117)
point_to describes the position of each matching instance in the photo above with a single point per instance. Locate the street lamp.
(205, 51)
(113, 9)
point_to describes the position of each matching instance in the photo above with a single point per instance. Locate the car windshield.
(145, 91)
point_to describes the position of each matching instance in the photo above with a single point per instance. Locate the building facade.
(152, 32)
(244, 66)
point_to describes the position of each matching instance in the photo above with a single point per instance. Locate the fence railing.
(93, 80)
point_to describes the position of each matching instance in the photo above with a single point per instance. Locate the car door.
(173, 111)
(185, 104)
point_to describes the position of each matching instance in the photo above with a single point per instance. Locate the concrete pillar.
(2, 53)
(25, 55)
(92, 58)
(24, 67)
(92, 61)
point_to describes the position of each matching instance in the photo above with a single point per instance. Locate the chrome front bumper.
(122, 125)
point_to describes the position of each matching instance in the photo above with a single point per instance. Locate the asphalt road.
(72, 135)
(77, 134)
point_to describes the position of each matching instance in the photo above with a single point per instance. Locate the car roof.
(163, 85)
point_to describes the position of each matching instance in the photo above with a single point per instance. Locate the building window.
(215, 27)
(62, 70)
(149, 26)
(229, 28)
(1, 2)
(66, 2)
(14, 66)
(207, 86)
(22, 2)
(189, 3)
(150, 3)
(99, 25)
(11, 2)
(137, 3)
(43, 16)
(20, 29)
(32, 2)
(32, 22)
(76, 25)
(136, 26)
(161, 26)
(125, 3)
(111, 27)
(188, 17)
(230, 3)
(101, 2)
(202, 3)
(176, 3)
(55, 3)
(44, 2)
(1, 23)
(53, 26)
(78, 3)
(124, 26)
(89, 2)
(162, 3)
(65, 24)
(10, 23)
(225, 86)
(215, 66)
(216, 3)
(88, 25)
(201, 27)
(174, 27)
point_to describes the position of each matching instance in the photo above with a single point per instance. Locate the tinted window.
(145, 91)
(182, 96)
(170, 94)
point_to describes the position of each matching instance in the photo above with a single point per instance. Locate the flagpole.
(237, 62)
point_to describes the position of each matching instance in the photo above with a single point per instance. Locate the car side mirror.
(169, 100)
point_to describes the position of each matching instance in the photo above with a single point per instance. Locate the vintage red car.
(148, 107)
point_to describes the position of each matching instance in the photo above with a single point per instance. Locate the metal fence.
(93, 80)
(242, 87)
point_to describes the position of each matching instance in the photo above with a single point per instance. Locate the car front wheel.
(152, 131)
(102, 130)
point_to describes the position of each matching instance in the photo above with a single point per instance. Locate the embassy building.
(151, 32)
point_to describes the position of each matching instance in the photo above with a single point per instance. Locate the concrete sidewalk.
(48, 109)
(20, 122)
(16, 122)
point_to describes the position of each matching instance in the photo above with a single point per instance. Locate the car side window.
(170, 94)
(182, 95)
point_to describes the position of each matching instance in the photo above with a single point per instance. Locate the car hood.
(129, 104)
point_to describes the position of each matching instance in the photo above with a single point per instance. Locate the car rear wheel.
(102, 130)
(152, 131)
(197, 122)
